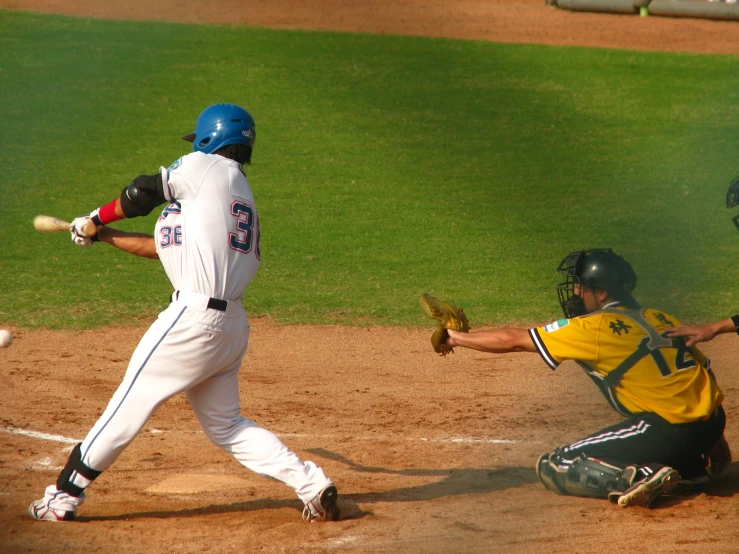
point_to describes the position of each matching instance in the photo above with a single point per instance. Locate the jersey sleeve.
(182, 179)
(567, 339)
(166, 188)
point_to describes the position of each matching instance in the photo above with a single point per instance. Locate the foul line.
(451, 440)
(466, 440)
(42, 436)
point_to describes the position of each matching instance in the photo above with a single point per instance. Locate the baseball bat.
(48, 224)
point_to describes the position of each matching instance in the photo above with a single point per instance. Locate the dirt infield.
(430, 454)
(527, 21)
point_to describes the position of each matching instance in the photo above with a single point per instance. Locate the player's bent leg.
(264, 453)
(216, 405)
(625, 485)
(584, 476)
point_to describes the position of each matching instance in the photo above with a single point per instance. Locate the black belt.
(216, 304)
(213, 303)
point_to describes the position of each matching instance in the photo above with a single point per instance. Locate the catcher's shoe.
(56, 505)
(323, 507)
(646, 491)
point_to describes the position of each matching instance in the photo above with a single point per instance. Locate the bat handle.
(90, 229)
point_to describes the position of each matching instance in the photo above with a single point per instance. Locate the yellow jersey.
(638, 369)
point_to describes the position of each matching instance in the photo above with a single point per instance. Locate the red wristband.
(106, 214)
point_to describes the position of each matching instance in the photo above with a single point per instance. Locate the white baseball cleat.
(646, 491)
(56, 505)
(323, 506)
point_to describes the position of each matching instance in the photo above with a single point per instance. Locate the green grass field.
(384, 167)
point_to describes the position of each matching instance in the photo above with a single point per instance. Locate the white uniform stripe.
(634, 430)
(630, 429)
(165, 183)
(543, 352)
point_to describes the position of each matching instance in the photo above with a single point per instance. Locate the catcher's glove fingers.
(448, 317)
(445, 314)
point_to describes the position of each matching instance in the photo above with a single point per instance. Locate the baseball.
(6, 338)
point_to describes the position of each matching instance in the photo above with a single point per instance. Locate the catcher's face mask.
(732, 199)
(572, 304)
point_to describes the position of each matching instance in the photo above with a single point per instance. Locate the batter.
(207, 238)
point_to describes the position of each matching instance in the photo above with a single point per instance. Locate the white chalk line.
(44, 464)
(450, 440)
(37, 435)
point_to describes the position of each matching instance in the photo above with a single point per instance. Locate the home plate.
(191, 483)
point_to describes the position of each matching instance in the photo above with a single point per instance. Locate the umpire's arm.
(498, 341)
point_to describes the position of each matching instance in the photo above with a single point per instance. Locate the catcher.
(673, 420)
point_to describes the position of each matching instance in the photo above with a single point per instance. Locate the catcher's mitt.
(448, 317)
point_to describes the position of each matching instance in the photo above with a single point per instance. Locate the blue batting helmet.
(220, 125)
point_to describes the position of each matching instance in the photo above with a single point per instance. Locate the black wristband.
(735, 320)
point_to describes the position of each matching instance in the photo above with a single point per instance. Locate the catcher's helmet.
(599, 268)
(220, 125)
(732, 199)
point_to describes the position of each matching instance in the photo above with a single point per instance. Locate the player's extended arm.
(497, 341)
(704, 333)
(137, 244)
(138, 198)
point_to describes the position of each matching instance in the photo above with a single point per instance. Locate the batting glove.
(79, 240)
(77, 230)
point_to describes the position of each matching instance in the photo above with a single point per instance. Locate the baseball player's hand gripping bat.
(48, 224)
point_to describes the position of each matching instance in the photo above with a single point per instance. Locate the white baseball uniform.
(208, 242)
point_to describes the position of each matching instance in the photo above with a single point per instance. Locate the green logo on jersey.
(556, 325)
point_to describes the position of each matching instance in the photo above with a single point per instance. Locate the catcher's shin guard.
(76, 476)
(584, 476)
